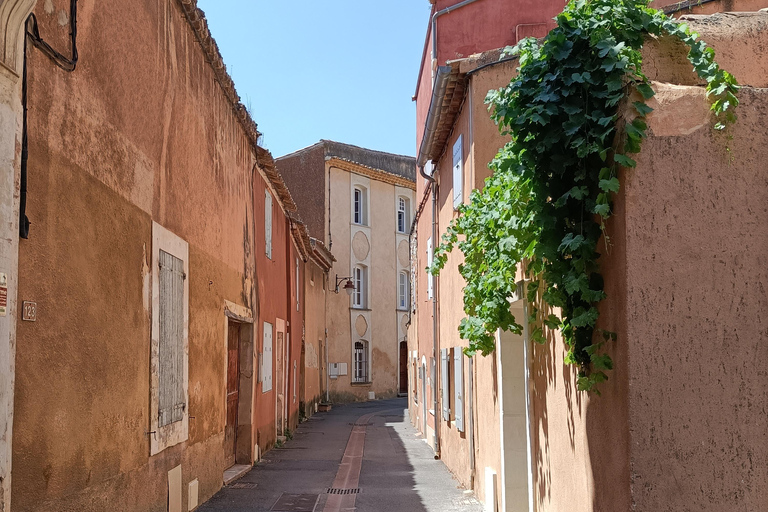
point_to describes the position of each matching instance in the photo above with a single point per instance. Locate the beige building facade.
(360, 202)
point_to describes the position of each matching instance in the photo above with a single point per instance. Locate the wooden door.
(233, 395)
(403, 367)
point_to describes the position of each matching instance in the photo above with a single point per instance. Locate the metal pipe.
(435, 290)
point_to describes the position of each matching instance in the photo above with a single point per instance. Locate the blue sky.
(343, 70)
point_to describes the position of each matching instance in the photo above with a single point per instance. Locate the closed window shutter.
(172, 402)
(445, 397)
(266, 360)
(430, 277)
(458, 173)
(268, 223)
(458, 385)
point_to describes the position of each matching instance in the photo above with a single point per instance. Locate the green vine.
(543, 210)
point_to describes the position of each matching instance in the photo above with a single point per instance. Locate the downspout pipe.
(433, 118)
(434, 26)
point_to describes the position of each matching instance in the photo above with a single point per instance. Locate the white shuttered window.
(458, 172)
(172, 401)
(169, 364)
(266, 359)
(444, 384)
(268, 223)
(430, 277)
(458, 388)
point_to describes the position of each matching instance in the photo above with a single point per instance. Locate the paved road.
(367, 455)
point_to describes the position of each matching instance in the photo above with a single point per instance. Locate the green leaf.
(610, 185)
(642, 108)
(624, 161)
(645, 90)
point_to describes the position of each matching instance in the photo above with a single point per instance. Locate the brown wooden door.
(233, 378)
(403, 367)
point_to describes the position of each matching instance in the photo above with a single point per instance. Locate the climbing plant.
(575, 113)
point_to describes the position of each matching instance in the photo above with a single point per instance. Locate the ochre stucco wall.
(315, 292)
(695, 255)
(113, 148)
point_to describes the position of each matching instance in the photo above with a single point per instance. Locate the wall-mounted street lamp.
(349, 286)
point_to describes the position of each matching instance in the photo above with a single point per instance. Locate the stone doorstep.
(235, 472)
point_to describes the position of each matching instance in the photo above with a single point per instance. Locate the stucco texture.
(695, 268)
(113, 148)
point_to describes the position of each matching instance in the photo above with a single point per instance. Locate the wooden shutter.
(445, 397)
(458, 387)
(268, 223)
(172, 402)
(458, 172)
(266, 361)
(430, 277)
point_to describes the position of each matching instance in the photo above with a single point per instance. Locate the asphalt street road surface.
(365, 457)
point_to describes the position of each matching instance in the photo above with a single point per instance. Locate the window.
(171, 388)
(361, 362)
(360, 206)
(403, 219)
(360, 295)
(402, 291)
(266, 359)
(458, 388)
(430, 277)
(268, 223)
(458, 172)
(297, 284)
(169, 340)
(445, 384)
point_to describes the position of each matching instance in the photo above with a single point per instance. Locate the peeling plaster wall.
(114, 147)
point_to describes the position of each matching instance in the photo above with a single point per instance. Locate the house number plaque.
(29, 311)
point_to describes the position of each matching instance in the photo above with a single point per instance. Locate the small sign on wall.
(3, 294)
(29, 311)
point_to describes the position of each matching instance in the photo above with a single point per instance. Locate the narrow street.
(370, 447)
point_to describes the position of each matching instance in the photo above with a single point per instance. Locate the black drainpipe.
(32, 34)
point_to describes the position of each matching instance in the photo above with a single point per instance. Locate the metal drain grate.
(242, 485)
(334, 490)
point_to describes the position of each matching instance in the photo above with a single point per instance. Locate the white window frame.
(430, 277)
(403, 291)
(360, 205)
(360, 280)
(267, 361)
(361, 370)
(458, 388)
(178, 431)
(268, 223)
(297, 284)
(403, 217)
(458, 172)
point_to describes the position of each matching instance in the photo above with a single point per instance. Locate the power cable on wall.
(67, 64)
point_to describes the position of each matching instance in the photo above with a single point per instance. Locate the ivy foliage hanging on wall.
(553, 185)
